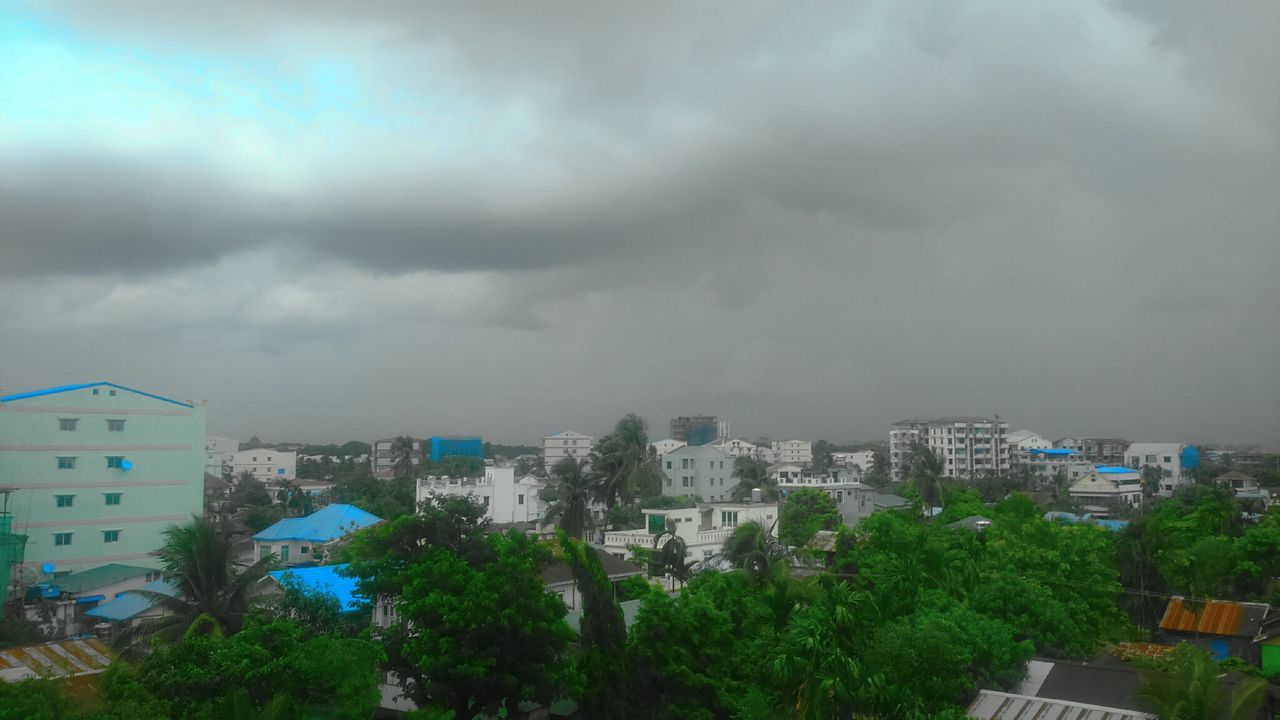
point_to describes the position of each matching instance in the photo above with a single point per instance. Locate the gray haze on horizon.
(810, 220)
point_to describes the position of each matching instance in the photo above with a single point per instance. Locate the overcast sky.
(365, 219)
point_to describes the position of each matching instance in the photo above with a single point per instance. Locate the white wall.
(266, 464)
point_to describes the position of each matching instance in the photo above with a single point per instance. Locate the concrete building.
(1023, 440)
(382, 456)
(1108, 490)
(98, 471)
(738, 448)
(217, 454)
(793, 451)
(863, 460)
(1100, 451)
(703, 528)
(696, 429)
(506, 498)
(265, 464)
(703, 471)
(565, 444)
(966, 446)
(1174, 460)
(662, 447)
(853, 499)
(306, 540)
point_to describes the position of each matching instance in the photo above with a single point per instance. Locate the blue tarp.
(128, 605)
(324, 579)
(321, 526)
(1052, 451)
(1108, 469)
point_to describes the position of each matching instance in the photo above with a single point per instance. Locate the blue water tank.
(1190, 457)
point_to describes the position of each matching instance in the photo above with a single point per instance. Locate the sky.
(512, 219)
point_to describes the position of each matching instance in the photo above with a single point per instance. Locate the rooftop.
(85, 386)
(101, 576)
(1113, 469)
(64, 658)
(1217, 617)
(323, 579)
(614, 568)
(992, 705)
(126, 606)
(322, 526)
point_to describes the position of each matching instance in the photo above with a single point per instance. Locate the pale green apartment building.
(97, 472)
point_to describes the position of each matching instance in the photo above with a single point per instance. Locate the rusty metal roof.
(1217, 617)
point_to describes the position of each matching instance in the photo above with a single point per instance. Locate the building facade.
(966, 446)
(382, 456)
(1174, 460)
(217, 454)
(793, 451)
(565, 444)
(862, 460)
(505, 498)
(696, 429)
(265, 464)
(662, 447)
(703, 471)
(98, 472)
(1101, 451)
(1107, 490)
(703, 528)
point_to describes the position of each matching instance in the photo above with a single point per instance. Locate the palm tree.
(753, 474)
(573, 488)
(402, 456)
(211, 597)
(752, 548)
(924, 470)
(627, 464)
(671, 557)
(1194, 692)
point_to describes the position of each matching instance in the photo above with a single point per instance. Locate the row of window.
(64, 538)
(70, 425)
(687, 463)
(65, 501)
(68, 462)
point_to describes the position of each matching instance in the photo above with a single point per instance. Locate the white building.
(506, 498)
(1105, 490)
(382, 456)
(1023, 440)
(217, 454)
(703, 528)
(662, 447)
(863, 460)
(739, 448)
(966, 446)
(703, 471)
(853, 499)
(564, 444)
(266, 464)
(793, 451)
(1165, 456)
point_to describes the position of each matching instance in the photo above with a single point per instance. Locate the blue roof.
(127, 605)
(322, 526)
(1052, 451)
(324, 579)
(1105, 469)
(82, 386)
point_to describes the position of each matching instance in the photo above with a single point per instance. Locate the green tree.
(626, 464)
(817, 658)
(878, 474)
(752, 475)
(247, 490)
(574, 488)
(924, 472)
(803, 514)
(752, 547)
(602, 662)
(402, 454)
(822, 461)
(1194, 692)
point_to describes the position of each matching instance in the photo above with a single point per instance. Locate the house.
(97, 471)
(1108, 490)
(738, 448)
(567, 444)
(703, 471)
(323, 579)
(1100, 451)
(506, 499)
(558, 577)
(862, 460)
(1175, 461)
(301, 541)
(703, 528)
(72, 595)
(1221, 627)
(129, 608)
(265, 464)
(853, 500)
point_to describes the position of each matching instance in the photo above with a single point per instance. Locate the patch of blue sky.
(61, 87)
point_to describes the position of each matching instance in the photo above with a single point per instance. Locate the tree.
(1151, 477)
(752, 475)
(924, 471)
(879, 472)
(402, 454)
(626, 463)
(248, 490)
(574, 488)
(816, 661)
(670, 558)
(751, 548)
(822, 461)
(803, 514)
(1194, 692)
(602, 662)
(198, 559)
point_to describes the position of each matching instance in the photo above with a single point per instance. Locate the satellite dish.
(126, 464)
(47, 568)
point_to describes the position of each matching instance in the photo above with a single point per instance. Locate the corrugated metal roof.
(324, 579)
(126, 606)
(1217, 617)
(992, 705)
(64, 658)
(100, 576)
(83, 386)
(321, 526)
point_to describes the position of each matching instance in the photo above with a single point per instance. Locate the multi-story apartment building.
(1174, 460)
(862, 460)
(852, 499)
(703, 528)
(382, 456)
(265, 464)
(97, 472)
(793, 451)
(966, 446)
(704, 471)
(1103, 451)
(565, 444)
(506, 498)
(695, 430)
(217, 454)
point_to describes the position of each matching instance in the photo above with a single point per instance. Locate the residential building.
(307, 540)
(1100, 451)
(382, 456)
(129, 608)
(1222, 627)
(662, 447)
(1174, 460)
(1049, 462)
(852, 499)
(703, 471)
(1238, 482)
(1023, 440)
(69, 596)
(793, 451)
(322, 579)
(966, 446)
(217, 454)
(265, 464)
(703, 528)
(695, 430)
(1107, 490)
(506, 498)
(565, 444)
(862, 460)
(738, 448)
(559, 579)
(97, 472)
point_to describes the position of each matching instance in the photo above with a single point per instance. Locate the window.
(153, 576)
(67, 424)
(112, 393)
(62, 539)
(1168, 458)
(66, 500)
(66, 463)
(284, 553)
(115, 426)
(95, 391)
(115, 461)
(1151, 459)
(520, 499)
(668, 464)
(684, 463)
(109, 536)
(112, 498)
(303, 550)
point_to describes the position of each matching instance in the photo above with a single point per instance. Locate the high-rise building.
(695, 430)
(965, 446)
(382, 456)
(97, 472)
(564, 444)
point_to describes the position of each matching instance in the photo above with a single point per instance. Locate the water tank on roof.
(1190, 457)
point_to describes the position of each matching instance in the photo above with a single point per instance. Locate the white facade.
(565, 444)
(966, 446)
(1165, 456)
(703, 471)
(1020, 440)
(853, 499)
(662, 447)
(793, 451)
(217, 454)
(862, 460)
(506, 498)
(266, 464)
(382, 459)
(1103, 493)
(704, 528)
(738, 448)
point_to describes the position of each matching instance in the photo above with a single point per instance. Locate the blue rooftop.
(322, 526)
(1052, 451)
(83, 386)
(128, 605)
(323, 579)
(1106, 469)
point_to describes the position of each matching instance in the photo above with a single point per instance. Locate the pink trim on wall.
(92, 558)
(102, 521)
(90, 411)
(94, 448)
(72, 485)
